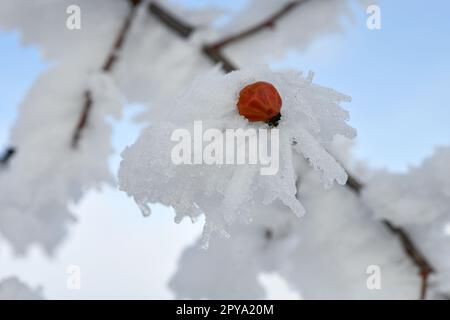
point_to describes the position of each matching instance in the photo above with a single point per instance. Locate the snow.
(323, 255)
(311, 115)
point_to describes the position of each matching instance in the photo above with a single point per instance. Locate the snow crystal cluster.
(324, 255)
(13, 289)
(311, 117)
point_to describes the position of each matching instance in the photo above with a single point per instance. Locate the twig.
(267, 23)
(412, 251)
(425, 268)
(180, 27)
(216, 56)
(87, 98)
(213, 53)
(107, 67)
(7, 155)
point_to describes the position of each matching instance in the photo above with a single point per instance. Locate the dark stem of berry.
(274, 121)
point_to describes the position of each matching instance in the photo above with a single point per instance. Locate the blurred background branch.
(7, 155)
(107, 67)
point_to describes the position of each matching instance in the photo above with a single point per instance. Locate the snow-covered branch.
(47, 176)
(269, 22)
(107, 67)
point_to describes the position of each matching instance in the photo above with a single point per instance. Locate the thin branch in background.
(107, 67)
(217, 57)
(87, 99)
(269, 22)
(411, 250)
(425, 268)
(7, 155)
(213, 53)
(354, 184)
(180, 27)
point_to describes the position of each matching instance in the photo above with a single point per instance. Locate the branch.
(184, 30)
(7, 155)
(217, 57)
(107, 67)
(267, 23)
(411, 250)
(425, 268)
(213, 53)
(180, 27)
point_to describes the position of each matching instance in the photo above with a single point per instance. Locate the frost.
(311, 117)
(324, 255)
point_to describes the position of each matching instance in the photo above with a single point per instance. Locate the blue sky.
(399, 78)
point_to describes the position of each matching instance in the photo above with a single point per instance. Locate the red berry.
(259, 101)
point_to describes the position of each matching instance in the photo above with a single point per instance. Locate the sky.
(398, 77)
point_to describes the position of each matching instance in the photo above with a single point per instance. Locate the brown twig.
(411, 250)
(87, 98)
(213, 53)
(175, 24)
(107, 67)
(7, 155)
(267, 23)
(216, 56)
(425, 268)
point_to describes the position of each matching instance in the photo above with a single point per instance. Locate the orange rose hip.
(260, 101)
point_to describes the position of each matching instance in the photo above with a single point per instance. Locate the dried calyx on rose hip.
(260, 101)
